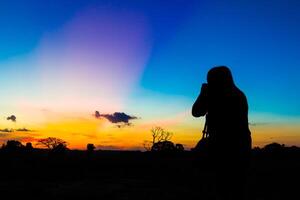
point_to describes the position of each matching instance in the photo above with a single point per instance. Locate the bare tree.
(52, 143)
(147, 145)
(159, 135)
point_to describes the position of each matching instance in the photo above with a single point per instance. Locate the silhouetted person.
(226, 110)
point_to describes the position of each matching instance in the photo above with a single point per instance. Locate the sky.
(140, 64)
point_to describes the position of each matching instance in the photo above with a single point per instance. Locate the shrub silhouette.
(274, 147)
(59, 149)
(179, 147)
(12, 146)
(28, 146)
(163, 146)
(90, 147)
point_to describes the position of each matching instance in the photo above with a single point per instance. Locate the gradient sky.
(60, 61)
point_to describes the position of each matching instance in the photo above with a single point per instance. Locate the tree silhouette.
(90, 147)
(161, 140)
(52, 143)
(147, 145)
(274, 147)
(179, 147)
(165, 146)
(28, 146)
(12, 145)
(160, 135)
(59, 149)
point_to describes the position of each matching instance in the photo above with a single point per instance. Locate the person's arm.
(200, 106)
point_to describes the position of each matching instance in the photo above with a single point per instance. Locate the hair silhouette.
(226, 110)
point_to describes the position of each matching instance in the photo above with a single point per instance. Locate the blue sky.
(257, 39)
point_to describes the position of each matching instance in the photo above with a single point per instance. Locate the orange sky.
(79, 129)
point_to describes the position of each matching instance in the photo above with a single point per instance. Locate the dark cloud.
(119, 118)
(6, 130)
(90, 136)
(23, 129)
(97, 114)
(123, 125)
(12, 118)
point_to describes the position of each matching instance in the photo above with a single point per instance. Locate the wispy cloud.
(10, 130)
(26, 139)
(23, 130)
(6, 130)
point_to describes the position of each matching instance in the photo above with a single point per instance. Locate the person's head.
(220, 77)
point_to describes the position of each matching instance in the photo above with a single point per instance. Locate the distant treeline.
(56, 145)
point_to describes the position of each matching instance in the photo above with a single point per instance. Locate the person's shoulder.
(240, 94)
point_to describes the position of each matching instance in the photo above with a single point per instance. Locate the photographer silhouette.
(226, 108)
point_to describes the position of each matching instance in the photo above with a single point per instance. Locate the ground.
(137, 175)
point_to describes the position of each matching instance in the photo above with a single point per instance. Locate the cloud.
(12, 118)
(28, 139)
(123, 125)
(23, 130)
(6, 130)
(97, 114)
(90, 136)
(119, 118)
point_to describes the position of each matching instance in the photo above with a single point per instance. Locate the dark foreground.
(138, 175)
